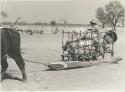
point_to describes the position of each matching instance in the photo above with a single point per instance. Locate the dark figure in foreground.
(10, 45)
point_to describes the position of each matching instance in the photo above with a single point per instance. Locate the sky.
(74, 11)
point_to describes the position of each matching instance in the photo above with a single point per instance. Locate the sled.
(79, 64)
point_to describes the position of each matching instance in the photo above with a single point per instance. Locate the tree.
(38, 23)
(53, 23)
(113, 13)
(101, 16)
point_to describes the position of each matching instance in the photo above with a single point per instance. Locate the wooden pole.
(78, 45)
(86, 41)
(68, 36)
(112, 53)
(98, 43)
(63, 39)
(91, 46)
(72, 38)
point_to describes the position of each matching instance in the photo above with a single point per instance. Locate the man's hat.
(93, 22)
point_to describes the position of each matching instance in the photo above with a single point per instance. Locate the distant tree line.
(52, 23)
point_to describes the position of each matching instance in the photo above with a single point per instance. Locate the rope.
(37, 62)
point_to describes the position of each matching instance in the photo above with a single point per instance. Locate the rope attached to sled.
(46, 64)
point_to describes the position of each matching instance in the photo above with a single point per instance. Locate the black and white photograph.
(62, 45)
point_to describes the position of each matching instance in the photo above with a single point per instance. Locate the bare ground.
(47, 48)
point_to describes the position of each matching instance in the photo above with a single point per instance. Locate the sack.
(112, 35)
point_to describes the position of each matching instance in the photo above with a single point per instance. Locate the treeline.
(41, 24)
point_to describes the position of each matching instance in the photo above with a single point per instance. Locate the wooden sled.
(79, 64)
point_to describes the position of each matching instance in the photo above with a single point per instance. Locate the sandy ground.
(47, 48)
